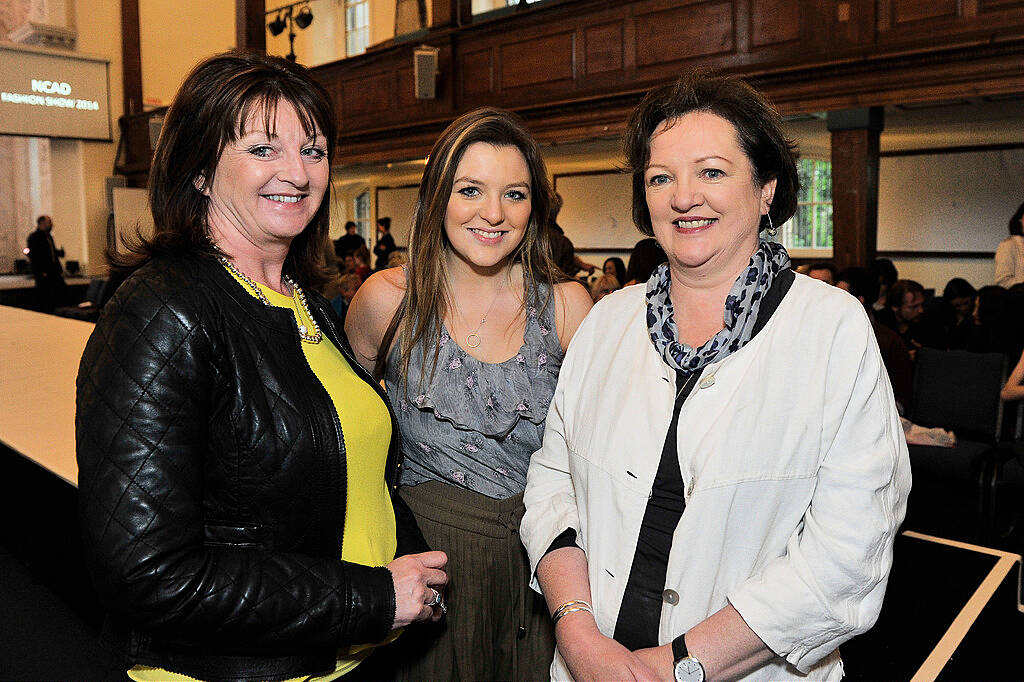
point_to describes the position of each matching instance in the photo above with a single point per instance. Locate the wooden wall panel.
(688, 32)
(997, 5)
(904, 11)
(575, 68)
(477, 68)
(774, 21)
(545, 59)
(369, 96)
(603, 48)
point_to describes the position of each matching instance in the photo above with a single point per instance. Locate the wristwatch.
(686, 667)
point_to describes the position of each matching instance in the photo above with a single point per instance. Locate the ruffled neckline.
(489, 398)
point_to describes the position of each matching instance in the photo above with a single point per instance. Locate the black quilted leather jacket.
(212, 482)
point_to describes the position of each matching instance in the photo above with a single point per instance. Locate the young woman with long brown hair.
(469, 339)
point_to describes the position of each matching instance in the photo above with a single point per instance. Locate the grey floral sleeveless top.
(475, 424)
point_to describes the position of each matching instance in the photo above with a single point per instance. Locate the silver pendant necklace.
(298, 299)
(473, 338)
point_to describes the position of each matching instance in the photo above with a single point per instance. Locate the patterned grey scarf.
(741, 306)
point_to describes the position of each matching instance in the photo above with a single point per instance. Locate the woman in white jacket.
(1010, 253)
(728, 511)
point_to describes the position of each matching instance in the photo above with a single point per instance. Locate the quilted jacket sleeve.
(144, 398)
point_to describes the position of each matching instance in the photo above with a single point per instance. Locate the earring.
(772, 231)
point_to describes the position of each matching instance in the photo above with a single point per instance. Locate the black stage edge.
(50, 622)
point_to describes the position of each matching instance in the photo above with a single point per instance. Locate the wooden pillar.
(444, 13)
(131, 57)
(855, 134)
(250, 24)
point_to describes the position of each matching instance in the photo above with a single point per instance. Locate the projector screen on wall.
(46, 93)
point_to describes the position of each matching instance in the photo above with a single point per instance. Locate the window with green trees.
(811, 226)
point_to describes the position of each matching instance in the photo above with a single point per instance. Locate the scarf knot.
(739, 315)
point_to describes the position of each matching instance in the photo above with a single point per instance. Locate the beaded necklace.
(298, 299)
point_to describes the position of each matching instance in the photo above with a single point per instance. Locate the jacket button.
(707, 382)
(522, 631)
(671, 597)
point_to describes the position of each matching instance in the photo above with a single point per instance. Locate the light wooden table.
(39, 357)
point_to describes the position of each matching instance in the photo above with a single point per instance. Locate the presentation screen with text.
(50, 94)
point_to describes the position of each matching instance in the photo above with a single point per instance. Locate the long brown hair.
(214, 104)
(428, 293)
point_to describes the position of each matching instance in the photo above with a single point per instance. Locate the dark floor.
(49, 621)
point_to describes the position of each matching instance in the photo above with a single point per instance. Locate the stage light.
(304, 18)
(277, 26)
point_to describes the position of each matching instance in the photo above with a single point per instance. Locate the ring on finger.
(436, 601)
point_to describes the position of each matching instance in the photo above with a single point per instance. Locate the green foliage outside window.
(811, 226)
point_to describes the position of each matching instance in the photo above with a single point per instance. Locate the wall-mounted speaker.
(424, 66)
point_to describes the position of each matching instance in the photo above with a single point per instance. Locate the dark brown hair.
(902, 287)
(1015, 225)
(428, 296)
(212, 108)
(758, 126)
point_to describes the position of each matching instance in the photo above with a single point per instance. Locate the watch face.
(689, 670)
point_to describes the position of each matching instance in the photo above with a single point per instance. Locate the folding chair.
(957, 390)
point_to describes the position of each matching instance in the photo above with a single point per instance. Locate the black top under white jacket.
(212, 482)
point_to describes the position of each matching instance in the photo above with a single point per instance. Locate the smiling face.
(704, 203)
(268, 185)
(489, 207)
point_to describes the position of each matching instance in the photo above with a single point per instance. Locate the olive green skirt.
(497, 628)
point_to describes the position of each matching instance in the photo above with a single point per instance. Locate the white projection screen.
(46, 93)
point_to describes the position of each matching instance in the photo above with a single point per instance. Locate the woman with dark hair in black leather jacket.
(236, 464)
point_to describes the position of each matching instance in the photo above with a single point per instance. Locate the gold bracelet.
(571, 606)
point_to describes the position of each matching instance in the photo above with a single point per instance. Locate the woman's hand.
(591, 655)
(414, 575)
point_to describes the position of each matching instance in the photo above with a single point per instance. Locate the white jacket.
(794, 464)
(1010, 261)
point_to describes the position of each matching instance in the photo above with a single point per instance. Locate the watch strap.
(679, 650)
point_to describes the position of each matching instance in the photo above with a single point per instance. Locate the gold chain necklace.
(298, 299)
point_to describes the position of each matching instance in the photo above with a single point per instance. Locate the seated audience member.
(602, 286)
(993, 326)
(347, 287)
(616, 268)
(826, 272)
(862, 284)
(954, 314)
(347, 264)
(903, 308)
(1010, 253)
(1014, 388)
(348, 242)
(887, 276)
(646, 256)
(361, 257)
(397, 259)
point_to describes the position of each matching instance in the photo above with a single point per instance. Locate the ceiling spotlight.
(278, 25)
(304, 18)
